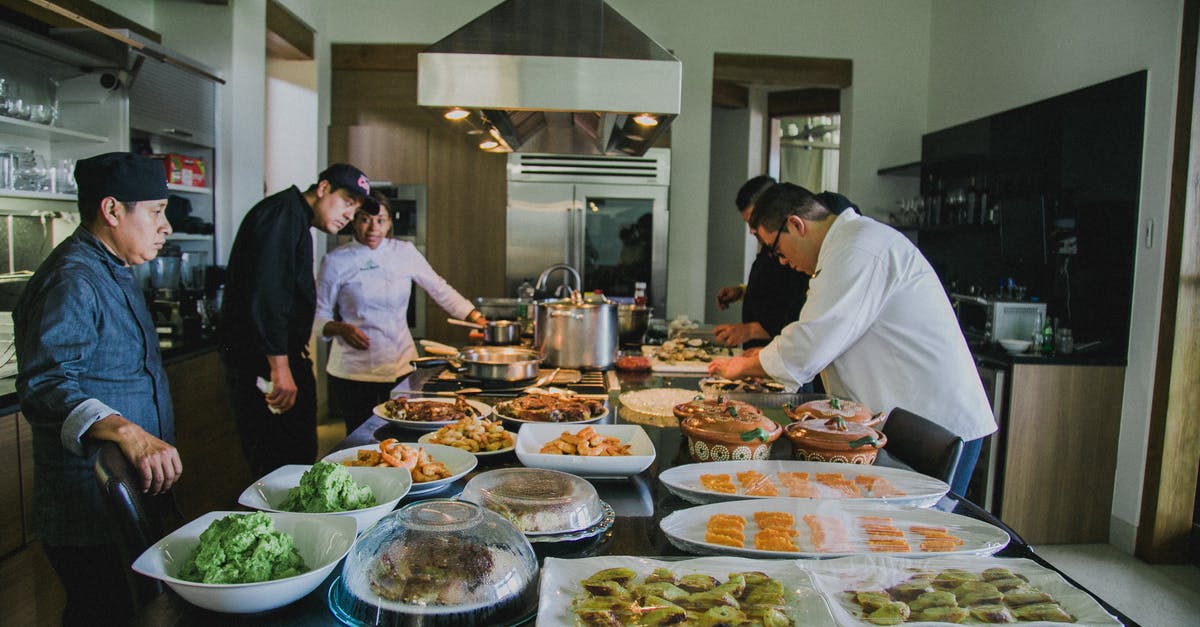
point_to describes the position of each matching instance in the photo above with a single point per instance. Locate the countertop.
(640, 502)
(993, 354)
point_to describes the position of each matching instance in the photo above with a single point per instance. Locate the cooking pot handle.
(566, 314)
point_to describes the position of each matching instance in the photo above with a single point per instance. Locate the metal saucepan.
(495, 332)
(490, 363)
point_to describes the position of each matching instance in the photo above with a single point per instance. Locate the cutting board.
(679, 367)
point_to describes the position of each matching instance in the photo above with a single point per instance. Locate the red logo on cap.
(363, 182)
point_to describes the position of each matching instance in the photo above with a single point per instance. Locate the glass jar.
(1064, 342)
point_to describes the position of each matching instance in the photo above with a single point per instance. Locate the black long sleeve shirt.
(774, 296)
(270, 293)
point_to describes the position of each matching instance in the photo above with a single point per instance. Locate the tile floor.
(1152, 595)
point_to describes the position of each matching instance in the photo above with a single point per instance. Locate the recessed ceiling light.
(457, 114)
(488, 144)
(646, 119)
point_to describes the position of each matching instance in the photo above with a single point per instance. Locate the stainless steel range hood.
(558, 76)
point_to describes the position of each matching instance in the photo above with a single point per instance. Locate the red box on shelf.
(184, 170)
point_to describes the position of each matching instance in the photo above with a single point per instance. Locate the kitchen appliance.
(566, 76)
(489, 363)
(604, 216)
(988, 320)
(576, 335)
(495, 332)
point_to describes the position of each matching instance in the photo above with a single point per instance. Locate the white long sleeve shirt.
(878, 327)
(370, 290)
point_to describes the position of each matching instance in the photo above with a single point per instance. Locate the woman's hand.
(349, 333)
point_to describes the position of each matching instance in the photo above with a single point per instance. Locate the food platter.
(427, 440)
(835, 578)
(432, 425)
(685, 366)
(561, 583)
(597, 418)
(657, 401)
(532, 437)
(843, 529)
(918, 490)
(457, 461)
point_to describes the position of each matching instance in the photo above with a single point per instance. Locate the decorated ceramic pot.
(833, 407)
(834, 440)
(719, 430)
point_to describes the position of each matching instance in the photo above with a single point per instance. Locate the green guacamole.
(243, 548)
(327, 487)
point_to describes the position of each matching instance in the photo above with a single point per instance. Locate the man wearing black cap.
(89, 370)
(267, 316)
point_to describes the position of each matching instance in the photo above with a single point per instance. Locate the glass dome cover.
(535, 500)
(436, 562)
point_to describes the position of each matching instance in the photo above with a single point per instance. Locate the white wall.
(992, 56)
(291, 127)
(726, 232)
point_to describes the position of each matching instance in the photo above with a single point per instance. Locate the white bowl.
(1016, 347)
(321, 540)
(457, 461)
(532, 437)
(389, 487)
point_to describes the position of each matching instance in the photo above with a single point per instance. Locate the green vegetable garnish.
(835, 403)
(869, 440)
(732, 411)
(327, 487)
(243, 548)
(757, 433)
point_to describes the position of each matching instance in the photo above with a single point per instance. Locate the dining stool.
(922, 445)
(137, 520)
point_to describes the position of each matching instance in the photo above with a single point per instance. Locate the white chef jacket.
(370, 290)
(878, 327)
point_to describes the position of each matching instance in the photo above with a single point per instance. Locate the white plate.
(321, 540)
(560, 583)
(873, 572)
(533, 436)
(657, 401)
(484, 410)
(457, 461)
(685, 528)
(684, 481)
(427, 439)
(598, 417)
(268, 493)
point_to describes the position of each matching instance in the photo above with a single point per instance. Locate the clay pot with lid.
(834, 440)
(834, 407)
(721, 430)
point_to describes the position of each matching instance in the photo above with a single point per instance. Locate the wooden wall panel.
(385, 152)
(1061, 454)
(12, 533)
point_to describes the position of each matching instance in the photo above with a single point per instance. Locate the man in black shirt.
(773, 293)
(267, 316)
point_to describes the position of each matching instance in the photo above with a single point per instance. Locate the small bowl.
(722, 430)
(834, 440)
(1015, 347)
(535, 500)
(386, 484)
(321, 540)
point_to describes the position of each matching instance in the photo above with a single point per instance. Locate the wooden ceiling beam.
(804, 102)
(83, 8)
(391, 57)
(769, 70)
(287, 36)
(730, 95)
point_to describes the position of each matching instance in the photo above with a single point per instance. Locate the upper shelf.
(33, 130)
(191, 189)
(908, 169)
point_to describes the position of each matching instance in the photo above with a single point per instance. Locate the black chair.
(924, 446)
(137, 520)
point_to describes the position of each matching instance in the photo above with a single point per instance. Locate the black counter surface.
(640, 503)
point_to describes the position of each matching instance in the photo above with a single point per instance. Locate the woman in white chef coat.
(362, 299)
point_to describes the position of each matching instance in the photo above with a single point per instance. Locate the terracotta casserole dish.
(834, 440)
(720, 430)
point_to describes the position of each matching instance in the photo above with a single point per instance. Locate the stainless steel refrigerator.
(605, 216)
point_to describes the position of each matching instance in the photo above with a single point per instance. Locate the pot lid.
(717, 418)
(835, 432)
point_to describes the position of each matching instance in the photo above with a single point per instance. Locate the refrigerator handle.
(580, 243)
(569, 240)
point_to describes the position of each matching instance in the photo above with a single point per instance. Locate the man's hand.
(738, 367)
(283, 387)
(351, 334)
(738, 334)
(156, 461)
(729, 294)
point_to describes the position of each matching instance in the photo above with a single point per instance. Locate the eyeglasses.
(773, 250)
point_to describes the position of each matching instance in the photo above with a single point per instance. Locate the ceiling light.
(646, 119)
(457, 114)
(488, 144)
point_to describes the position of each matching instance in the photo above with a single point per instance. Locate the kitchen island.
(640, 503)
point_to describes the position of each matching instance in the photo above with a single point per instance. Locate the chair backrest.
(137, 520)
(925, 446)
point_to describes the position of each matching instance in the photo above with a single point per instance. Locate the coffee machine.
(176, 295)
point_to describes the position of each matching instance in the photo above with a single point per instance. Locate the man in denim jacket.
(89, 370)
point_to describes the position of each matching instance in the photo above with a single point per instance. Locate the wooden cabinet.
(1061, 452)
(214, 469)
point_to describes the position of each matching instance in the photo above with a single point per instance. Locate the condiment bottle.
(639, 294)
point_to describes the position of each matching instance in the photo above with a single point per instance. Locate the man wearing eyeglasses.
(876, 326)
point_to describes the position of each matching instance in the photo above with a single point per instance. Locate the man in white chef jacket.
(877, 325)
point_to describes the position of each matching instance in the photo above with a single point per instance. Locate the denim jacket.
(86, 348)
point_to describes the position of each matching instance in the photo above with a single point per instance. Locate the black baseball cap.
(122, 175)
(347, 177)
(369, 206)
